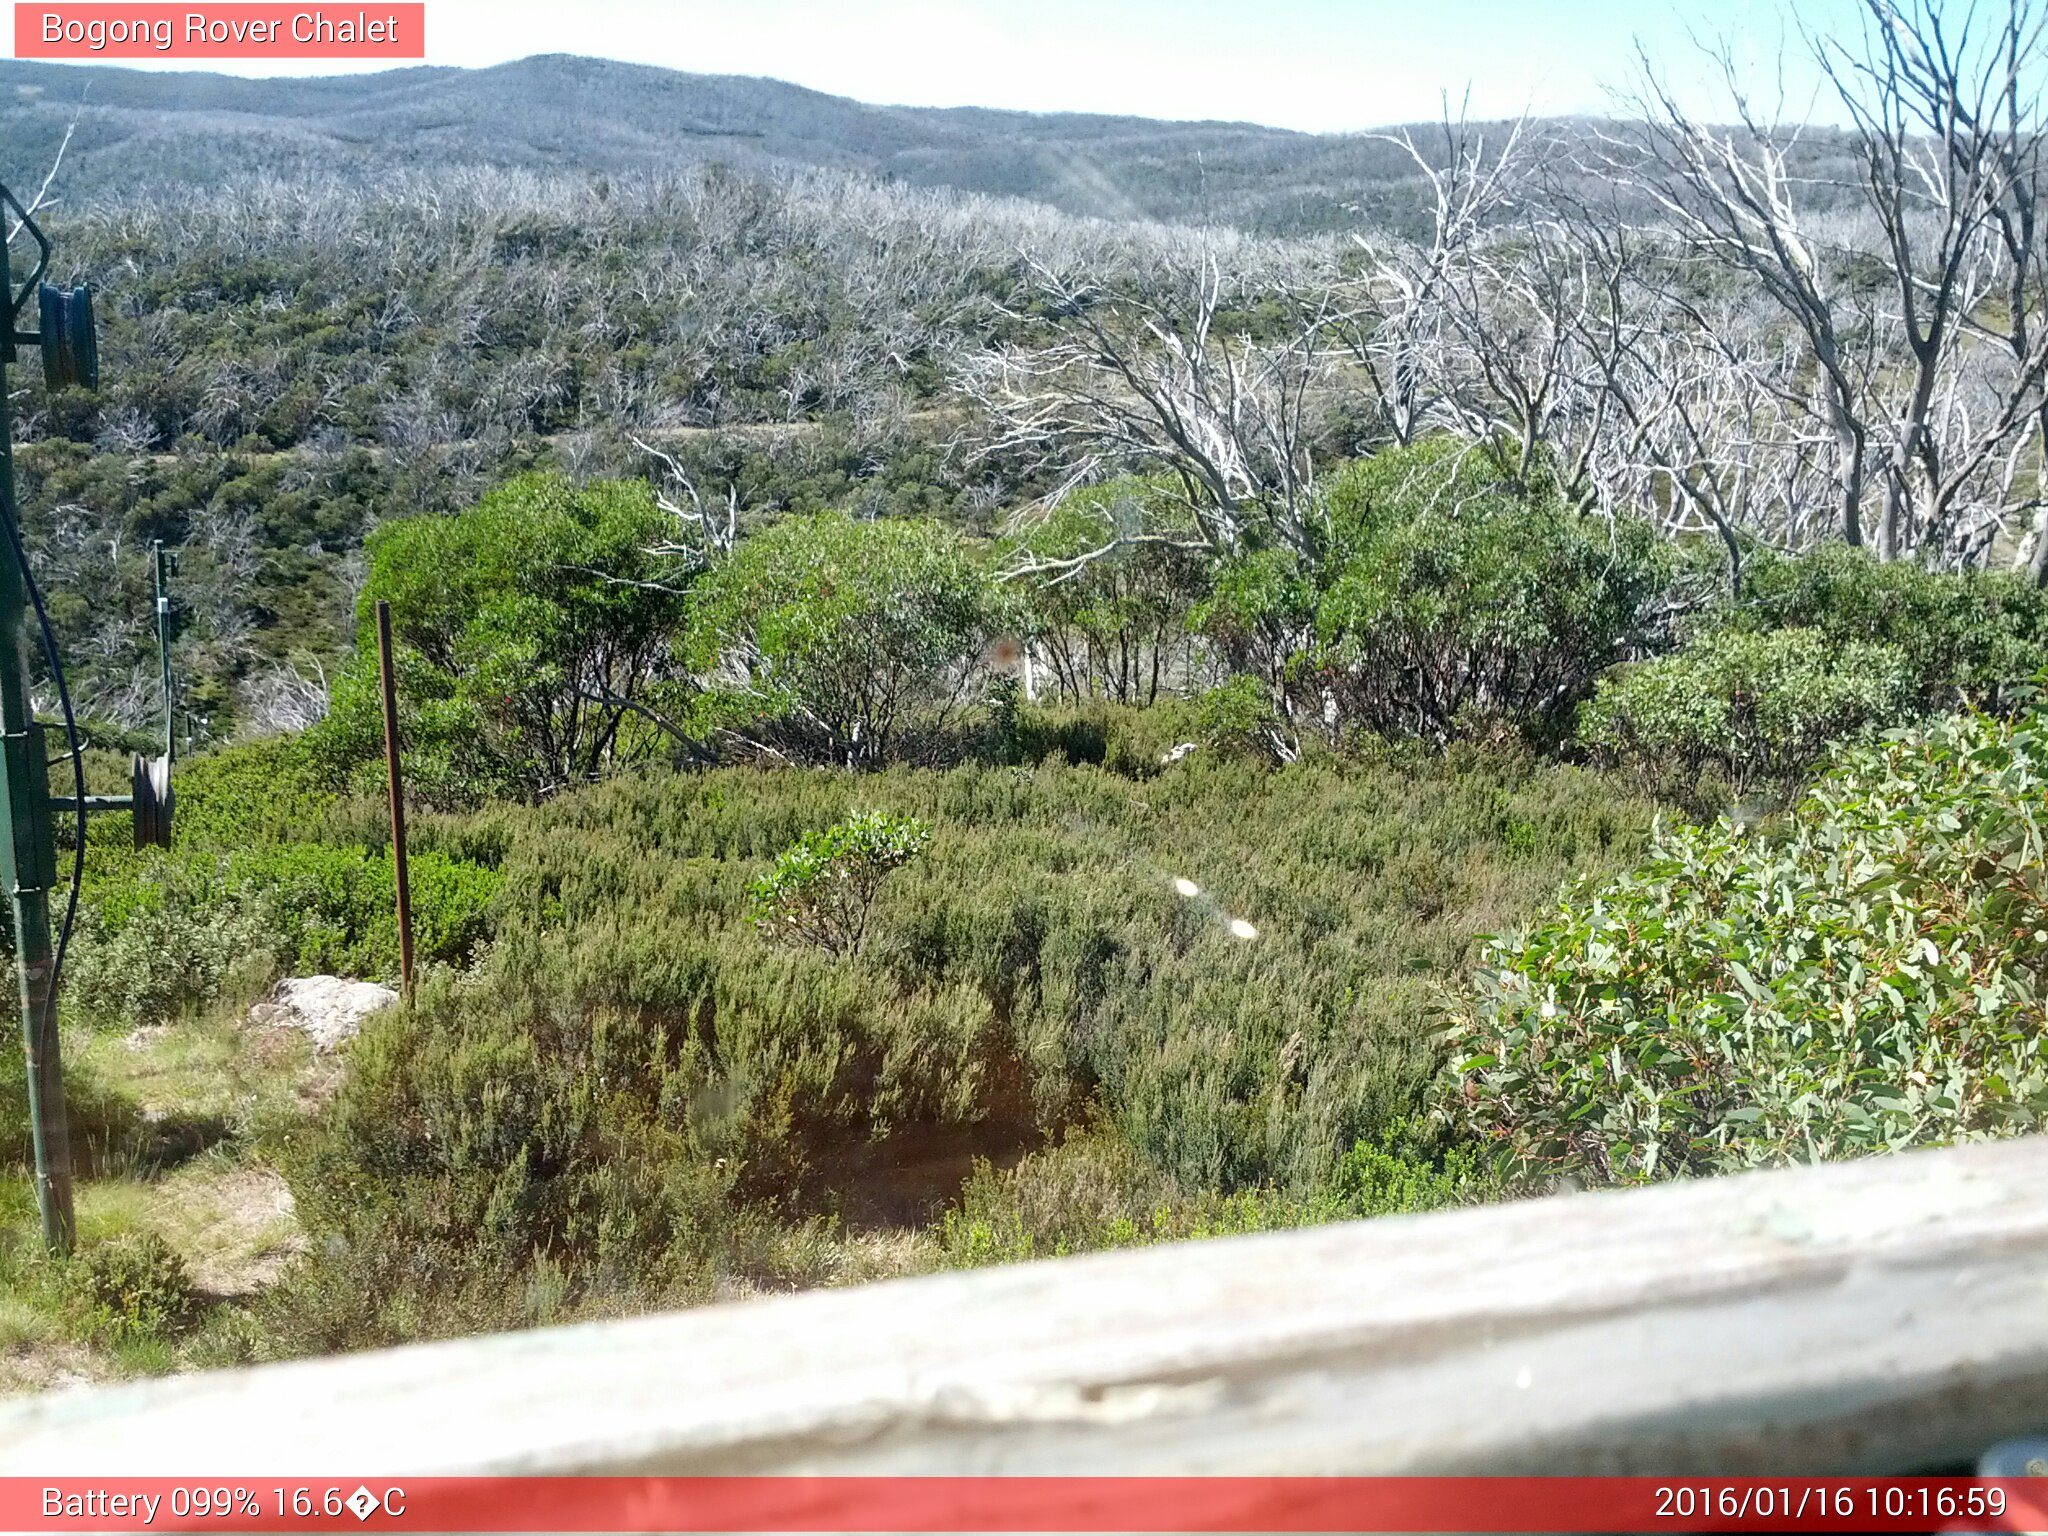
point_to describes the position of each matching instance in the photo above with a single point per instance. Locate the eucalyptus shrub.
(1966, 637)
(1116, 574)
(829, 639)
(1872, 978)
(533, 638)
(1459, 600)
(823, 886)
(1755, 708)
(1239, 716)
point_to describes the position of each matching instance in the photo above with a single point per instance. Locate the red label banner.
(225, 31)
(1020, 1504)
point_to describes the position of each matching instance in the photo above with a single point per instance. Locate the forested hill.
(559, 112)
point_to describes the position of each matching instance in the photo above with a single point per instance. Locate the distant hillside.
(137, 128)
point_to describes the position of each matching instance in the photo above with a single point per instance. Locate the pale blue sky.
(1311, 64)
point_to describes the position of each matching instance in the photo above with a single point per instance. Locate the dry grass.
(231, 1222)
(172, 1125)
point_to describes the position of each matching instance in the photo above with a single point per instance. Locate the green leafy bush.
(1130, 742)
(187, 927)
(1117, 571)
(1460, 601)
(841, 641)
(255, 792)
(129, 1287)
(332, 909)
(1873, 978)
(824, 885)
(1755, 708)
(1966, 638)
(160, 941)
(533, 636)
(1239, 716)
(1260, 613)
(269, 873)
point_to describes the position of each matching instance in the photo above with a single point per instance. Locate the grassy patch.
(174, 1128)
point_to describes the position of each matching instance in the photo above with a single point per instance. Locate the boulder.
(329, 1008)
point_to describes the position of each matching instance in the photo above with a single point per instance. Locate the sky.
(1315, 65)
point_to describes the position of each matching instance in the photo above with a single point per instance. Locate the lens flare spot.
(1241, 929)
(1187, 887)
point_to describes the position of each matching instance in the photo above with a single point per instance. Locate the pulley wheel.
(150, 778)
(71, 352)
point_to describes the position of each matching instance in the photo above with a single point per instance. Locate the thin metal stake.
(384, 672)
(163, 560)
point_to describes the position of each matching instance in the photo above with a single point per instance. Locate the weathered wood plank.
(1884, 1315)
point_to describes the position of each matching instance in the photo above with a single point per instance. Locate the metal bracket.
(17, 301)
(28, 855)
(150, 804)
(152, 801)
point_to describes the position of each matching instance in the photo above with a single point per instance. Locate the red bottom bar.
(1023, 1504)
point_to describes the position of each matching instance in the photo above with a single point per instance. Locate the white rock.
(1175, 754)
(329, 1008)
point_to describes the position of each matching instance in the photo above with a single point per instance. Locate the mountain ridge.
(141, 128)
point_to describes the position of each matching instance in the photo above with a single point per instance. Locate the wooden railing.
(1889, 1315)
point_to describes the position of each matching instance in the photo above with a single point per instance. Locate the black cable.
(35, 597)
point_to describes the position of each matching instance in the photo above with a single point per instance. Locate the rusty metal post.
(404, 879)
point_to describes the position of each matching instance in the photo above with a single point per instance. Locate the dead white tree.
(1946, 148)
(284, 698)
(1537, 323)
(1734, 197)
(699, 531)
(1919, 313)
(1420, 297)
(42, 198)
(1161, 370)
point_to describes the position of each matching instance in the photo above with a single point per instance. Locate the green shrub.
(1873, 978)
(1460, 601)
(184, 928)
(1966, 638)
(255, 792)
(1133, 743)
(823, 886)
(127, 1288)
(1238, 716)
(1260, 613)
(1065, 732)
(841, 641)
(1093, 1190)
(161, 940)
(1002, 705)
(332, 910)
(1756, 708)
(269, 873)
(1114, 626)
(533, 634)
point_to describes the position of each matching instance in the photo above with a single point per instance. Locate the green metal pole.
(163, 639)
(28, 854)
